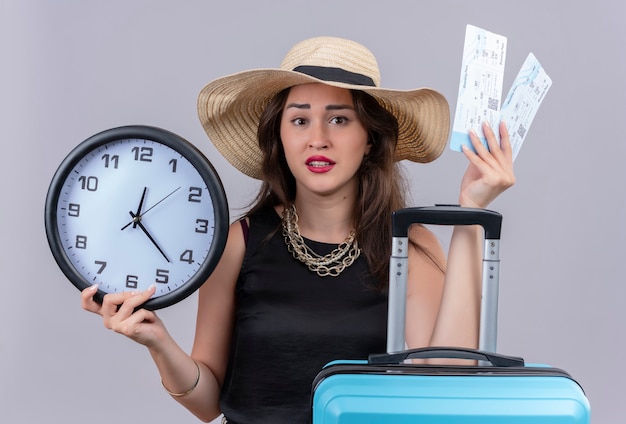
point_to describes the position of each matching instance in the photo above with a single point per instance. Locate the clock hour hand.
(138, 213)
(137, 220)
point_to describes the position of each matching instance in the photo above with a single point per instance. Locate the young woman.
(303, 277)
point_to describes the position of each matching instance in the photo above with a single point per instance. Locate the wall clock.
(134, 206)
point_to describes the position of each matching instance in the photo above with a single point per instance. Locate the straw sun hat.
(230, 107)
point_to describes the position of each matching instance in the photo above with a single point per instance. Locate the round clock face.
(135, 206)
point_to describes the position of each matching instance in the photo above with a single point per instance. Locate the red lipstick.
(319, 164)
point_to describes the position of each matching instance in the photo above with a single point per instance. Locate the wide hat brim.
(230, 107)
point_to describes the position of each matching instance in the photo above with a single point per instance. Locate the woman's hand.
(490, 172)
(118, 313)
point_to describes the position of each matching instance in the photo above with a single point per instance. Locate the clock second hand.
(147, 210)
(137, 220)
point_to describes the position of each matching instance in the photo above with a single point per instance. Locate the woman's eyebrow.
(298, 106)
(338, 107)
(308, 106)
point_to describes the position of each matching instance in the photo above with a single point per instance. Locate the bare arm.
(211, 345)
(459, 312)
(216, 305)
(444, 309)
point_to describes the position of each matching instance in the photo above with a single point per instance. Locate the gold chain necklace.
(331, 264)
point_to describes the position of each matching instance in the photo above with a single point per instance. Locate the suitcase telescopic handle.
(495, 359)
(401, 221)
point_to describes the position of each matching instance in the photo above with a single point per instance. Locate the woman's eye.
(338, 120)
(298, 121)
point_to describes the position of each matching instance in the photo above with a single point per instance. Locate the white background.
(70, 69)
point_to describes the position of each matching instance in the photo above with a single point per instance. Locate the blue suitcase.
(500, 389)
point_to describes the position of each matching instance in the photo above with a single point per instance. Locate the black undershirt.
(289, 323)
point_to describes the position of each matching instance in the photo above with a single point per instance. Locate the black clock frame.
(180, 145)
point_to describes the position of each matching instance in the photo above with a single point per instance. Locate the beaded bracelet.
(195, 384)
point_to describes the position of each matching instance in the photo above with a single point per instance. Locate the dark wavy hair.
(381, 186)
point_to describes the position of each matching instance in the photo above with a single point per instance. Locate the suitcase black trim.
(440, 370)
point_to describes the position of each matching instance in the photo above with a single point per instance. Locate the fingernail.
(93, 287)
(152, 287)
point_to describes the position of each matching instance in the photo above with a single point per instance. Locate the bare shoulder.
(427, 244)
(232, 258)
(423, 237)
(220, 286)
(235, 244)
(426, 273)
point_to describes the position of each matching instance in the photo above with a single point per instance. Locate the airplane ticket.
(521, 104)
(480, 85)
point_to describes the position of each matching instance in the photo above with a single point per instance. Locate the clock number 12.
(143, 154)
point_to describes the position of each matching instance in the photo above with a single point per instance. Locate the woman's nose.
(318, 137)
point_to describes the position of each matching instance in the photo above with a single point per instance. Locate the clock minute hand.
(137, 220)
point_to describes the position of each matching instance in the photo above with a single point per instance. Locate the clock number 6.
(131, 281)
